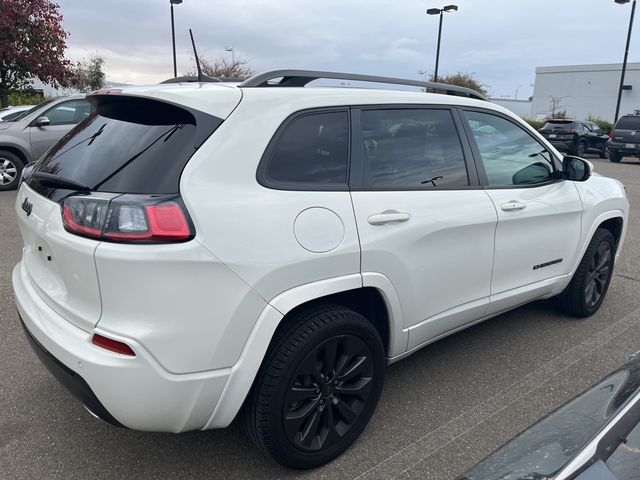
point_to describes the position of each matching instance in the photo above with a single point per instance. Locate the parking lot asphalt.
(442, 409)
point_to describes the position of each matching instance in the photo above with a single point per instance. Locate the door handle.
(389, 216)
(513, 206)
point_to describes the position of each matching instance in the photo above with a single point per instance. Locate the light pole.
(517, 92)
(626, 55)
(173, 36)
(233, 54)
(440, 11)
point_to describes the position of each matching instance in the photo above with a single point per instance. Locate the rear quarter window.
(308, 152)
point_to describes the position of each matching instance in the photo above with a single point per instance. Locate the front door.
(62, 118)
(539, 214)
(423, 220)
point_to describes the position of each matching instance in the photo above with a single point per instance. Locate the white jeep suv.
(193, 250)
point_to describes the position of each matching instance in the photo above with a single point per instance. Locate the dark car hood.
(543, 449)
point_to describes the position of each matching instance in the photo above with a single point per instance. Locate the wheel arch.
(363, 293)
(17, 151)
(612, 220)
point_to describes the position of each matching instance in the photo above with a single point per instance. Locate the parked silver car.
(27, 137)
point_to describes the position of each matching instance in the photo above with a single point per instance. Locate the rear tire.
(588, 287)
(317, 387)
(614, 156)
(10, 170)
(581, 149)
(605, 153)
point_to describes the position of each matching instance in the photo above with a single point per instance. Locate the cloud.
(502, 41)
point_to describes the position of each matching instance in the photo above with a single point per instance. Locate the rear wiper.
(54, 181)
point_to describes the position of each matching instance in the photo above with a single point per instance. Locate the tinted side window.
(313, 149)
(412, 148)
(509, 154)
(68, 113)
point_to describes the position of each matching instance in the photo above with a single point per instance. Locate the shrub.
(602, 123)
(537, 124)
(25, 98)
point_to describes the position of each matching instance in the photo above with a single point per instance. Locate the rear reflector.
(112, 345)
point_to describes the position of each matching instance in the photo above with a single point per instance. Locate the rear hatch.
(627, 130)
(558, 130)
(124, 159)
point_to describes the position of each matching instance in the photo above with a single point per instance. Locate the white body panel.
(200, 315)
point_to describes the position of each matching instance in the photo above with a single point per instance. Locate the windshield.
(629, 123)
(558, 125)
(20, 115)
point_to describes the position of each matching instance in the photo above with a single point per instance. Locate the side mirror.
(42, 122)
(576, 169)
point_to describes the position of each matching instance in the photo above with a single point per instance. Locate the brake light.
(611, 134)
(112, 345)
(569, 130)
(129, 218)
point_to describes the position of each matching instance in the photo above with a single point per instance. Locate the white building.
(522, 108)
(584, 90)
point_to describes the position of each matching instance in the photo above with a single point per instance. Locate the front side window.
(312, 150)
(412, 148)
(510, 156)
(68, 113)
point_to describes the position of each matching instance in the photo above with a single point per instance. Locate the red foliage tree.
(32, 44)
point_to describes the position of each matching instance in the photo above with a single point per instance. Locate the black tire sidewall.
(281, 448)
(614, 156)
(13, 158)
(584, 149)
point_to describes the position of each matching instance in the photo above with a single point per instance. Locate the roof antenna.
(195, 53)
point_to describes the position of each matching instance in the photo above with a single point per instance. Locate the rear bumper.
(134, 392)
(621, 148)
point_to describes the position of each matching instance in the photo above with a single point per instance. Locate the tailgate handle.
(389, 216)
(513, 206)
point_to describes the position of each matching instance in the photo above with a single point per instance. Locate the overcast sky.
(500, 41)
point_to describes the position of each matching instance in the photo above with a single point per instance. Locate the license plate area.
(630, 146)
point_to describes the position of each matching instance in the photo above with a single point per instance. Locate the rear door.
(539, 214)
(62, 118)
(422, 218)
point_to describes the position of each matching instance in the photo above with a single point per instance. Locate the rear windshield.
(128, 145)
(558, 125)
(629, 123)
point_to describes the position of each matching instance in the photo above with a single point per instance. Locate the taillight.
(569, 130)
(611, 134)
(128, 218)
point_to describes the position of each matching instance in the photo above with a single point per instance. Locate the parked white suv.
(191, 249)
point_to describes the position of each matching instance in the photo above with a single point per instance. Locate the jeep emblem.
(27, 206)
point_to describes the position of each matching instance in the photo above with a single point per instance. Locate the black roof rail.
(205, 78)
(299, 78)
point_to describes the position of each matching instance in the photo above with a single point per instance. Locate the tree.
(555, 104)
(220, 67)
(32, 44)
(464, 79)
(88, 74)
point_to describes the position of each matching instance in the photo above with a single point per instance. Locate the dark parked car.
(576, 137)
(625, 138)
(595, 436)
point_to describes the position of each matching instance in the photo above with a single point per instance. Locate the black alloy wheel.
(586, 291)
(598, 274)
(330, 389)
(318, 386)
(581, 149)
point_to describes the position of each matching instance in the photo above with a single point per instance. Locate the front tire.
(10, 170)
(317, 388)
(588, 287)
